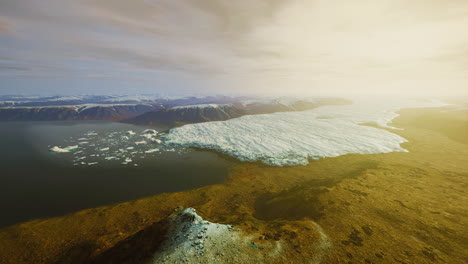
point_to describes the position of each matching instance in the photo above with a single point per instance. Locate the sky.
(262, 47)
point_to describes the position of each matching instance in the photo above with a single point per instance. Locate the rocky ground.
(385, 208)
(190, 239)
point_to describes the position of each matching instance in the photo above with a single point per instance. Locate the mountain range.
(149, 110)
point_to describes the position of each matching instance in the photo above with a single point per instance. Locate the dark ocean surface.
(35, 183)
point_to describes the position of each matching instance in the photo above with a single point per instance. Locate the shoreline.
(369, 206)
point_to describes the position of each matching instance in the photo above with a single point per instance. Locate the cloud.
(304, 46)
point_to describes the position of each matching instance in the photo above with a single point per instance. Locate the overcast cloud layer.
(225, 47)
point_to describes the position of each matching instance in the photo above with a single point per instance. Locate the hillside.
(190, 114)
(75, 112)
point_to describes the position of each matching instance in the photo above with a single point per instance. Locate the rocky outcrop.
(190, 238)
(185, 237)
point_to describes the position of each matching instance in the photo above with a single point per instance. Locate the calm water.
(35, 183)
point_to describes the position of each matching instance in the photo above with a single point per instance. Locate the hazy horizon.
(262, 47)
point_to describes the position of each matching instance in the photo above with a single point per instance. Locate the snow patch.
(199, 106)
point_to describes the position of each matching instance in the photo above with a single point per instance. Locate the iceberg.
(292, 138)
(141, 142)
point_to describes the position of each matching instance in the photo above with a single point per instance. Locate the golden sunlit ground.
(384, 208)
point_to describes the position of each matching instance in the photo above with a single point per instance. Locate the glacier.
(292, 138)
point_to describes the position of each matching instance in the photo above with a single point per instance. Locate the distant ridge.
(180, 115)
(79, 112)
(149, 110)
(90, 107)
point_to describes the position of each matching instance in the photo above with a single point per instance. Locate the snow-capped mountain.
(199, 113)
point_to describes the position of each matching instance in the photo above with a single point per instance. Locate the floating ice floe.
(152, 150)
(57, 149)
(155, 140)
(127, 160)
(150, 131)
(108, 147)
(292, 138)
(147, 136)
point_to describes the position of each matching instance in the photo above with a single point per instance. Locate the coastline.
(376, 207)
